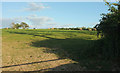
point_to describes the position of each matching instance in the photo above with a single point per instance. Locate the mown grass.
(75, 44)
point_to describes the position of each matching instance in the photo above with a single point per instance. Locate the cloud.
(6, 22)
(33, 20)
(64, 26)
(39, 20)
(35, 7)
(67, 25)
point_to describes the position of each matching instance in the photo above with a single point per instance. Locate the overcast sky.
(53, 14)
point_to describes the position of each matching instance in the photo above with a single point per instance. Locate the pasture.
(51, 50)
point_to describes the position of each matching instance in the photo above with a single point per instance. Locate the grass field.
(50, 50)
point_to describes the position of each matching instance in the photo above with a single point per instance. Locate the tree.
(110, 20)
(110, 27)
(16, 26)
(24, 25)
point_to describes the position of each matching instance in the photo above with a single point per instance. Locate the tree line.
(77, 28)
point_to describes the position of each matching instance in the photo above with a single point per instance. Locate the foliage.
(108, 27)
(84, 28)
(22, 24)
(16, 26)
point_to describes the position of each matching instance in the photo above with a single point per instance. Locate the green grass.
(76, 45)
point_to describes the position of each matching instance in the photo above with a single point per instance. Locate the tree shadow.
(31, 63)
(65, 67)
(30, 33)
(80, 50)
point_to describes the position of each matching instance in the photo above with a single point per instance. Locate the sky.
(53, 14)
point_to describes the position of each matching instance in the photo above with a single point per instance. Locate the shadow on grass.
(57, 31)
(80, 50)
(33, 33)
(65, 67)
(30, 63)
(72, 46)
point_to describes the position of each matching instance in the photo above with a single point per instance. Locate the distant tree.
(16, 26)
(84, 28)
(13, 25)
(24, 25)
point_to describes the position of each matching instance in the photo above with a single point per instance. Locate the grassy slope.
(35, 45)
